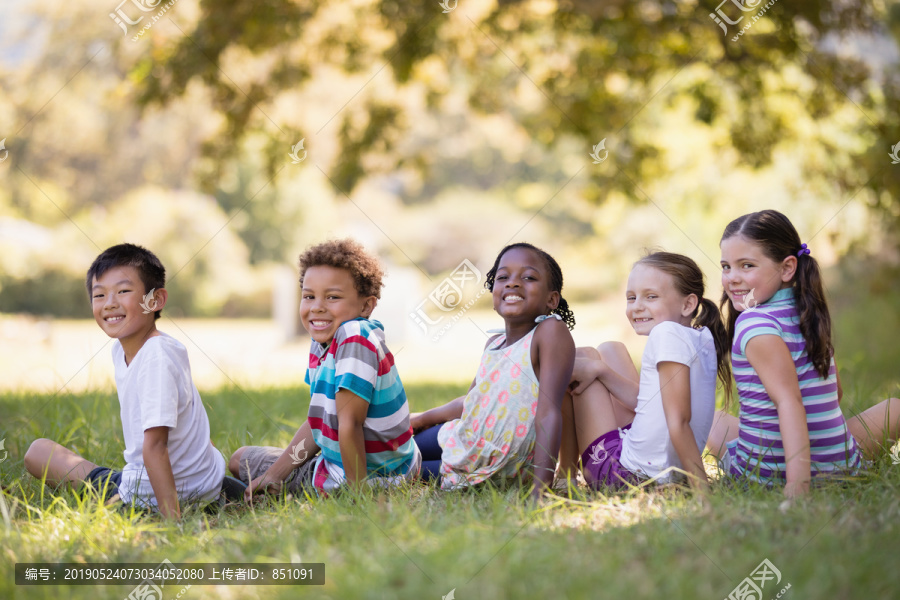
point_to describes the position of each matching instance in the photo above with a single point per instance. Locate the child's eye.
(334, 297)
(651, 296)
(725, 267)
(746, 265)
(307, 296)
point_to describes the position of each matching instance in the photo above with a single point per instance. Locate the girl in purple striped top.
(790, 426)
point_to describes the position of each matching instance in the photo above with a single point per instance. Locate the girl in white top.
(628, 428)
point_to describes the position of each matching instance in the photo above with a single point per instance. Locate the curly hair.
(556, 280)
(346, 254)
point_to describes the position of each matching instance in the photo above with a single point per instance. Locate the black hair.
(556, 280)
(688, 279)
(778, 239)
(149, 268)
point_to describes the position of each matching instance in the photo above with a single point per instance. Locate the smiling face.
(521, 289)
(652, 298)
(329, 298)
(116, 298)
(747, 270)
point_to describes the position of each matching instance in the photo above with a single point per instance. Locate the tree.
(563, 69)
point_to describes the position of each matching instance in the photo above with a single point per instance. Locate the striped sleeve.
(752, 323)
(357, 361)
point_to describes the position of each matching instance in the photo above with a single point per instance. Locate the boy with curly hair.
(358, 413)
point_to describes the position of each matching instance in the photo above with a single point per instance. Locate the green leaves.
(594, 69)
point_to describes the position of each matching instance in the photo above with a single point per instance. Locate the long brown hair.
(688, 279)
(778, 239)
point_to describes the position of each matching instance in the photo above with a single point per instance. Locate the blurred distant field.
(49, 355)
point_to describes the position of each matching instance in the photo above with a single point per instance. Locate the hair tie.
(803, 250)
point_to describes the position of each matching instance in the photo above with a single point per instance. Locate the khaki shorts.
(256, 460)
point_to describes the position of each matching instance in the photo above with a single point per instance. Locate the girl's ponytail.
(710, 318)
(688, 279)
(565, 313)
(812, 310)
(778, 239)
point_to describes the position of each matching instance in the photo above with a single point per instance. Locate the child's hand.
(796, 489)
(577, 387)
(261, 484)
(581, 383)
(586, 370)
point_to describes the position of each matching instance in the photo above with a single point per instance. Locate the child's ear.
(368, 306)
(690, 305)
(788, 268)
(155, 301)
(553, 302)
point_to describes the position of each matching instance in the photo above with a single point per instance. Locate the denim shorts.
(103, 481)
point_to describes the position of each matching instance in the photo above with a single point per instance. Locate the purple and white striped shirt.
(759, 454)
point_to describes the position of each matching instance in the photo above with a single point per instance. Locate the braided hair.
(556, 280)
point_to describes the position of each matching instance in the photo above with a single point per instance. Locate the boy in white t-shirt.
(168, 453)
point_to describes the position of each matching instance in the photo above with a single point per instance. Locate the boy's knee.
(34, 456)
(894, 414)
(234, 463)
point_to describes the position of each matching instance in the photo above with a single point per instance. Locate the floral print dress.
(495, 436)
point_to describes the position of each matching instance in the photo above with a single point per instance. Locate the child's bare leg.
(615, 354)
(594, 414)
(234, 463)
(724, 429)
(60, 464)
(876, 426)
(568, 446)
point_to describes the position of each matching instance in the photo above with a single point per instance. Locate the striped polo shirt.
(357, 359)
(759, 453)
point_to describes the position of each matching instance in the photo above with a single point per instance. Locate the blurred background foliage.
(451, 132)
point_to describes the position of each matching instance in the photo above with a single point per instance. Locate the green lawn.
(842, 542)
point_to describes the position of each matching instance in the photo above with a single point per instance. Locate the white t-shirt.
(156, 390)
(646, 447)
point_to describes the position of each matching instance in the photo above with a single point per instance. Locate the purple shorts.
(600, 462)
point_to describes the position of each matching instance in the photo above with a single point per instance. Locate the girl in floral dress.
(508, 425)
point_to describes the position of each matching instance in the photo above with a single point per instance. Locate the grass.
(417, 542)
